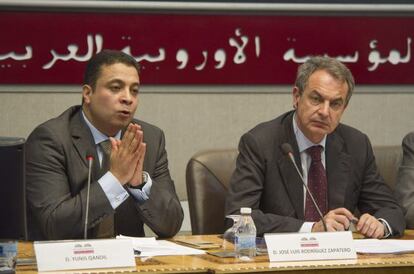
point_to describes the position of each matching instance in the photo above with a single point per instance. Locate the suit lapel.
(83, 141)
(338, 170)
(290, 177)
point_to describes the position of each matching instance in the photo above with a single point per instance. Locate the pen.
(352, 224)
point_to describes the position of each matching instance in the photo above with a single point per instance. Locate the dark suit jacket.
(56, 173)
(404, 189)
(266, 180)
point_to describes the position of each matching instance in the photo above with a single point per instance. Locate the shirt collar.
(303, 142)
(98, 136)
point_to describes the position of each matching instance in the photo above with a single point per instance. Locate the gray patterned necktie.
(106, 147)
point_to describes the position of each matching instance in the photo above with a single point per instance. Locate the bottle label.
(245, 241)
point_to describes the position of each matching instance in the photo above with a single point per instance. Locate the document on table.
(375, 246)
(149, 247)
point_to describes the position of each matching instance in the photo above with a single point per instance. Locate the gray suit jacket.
(404, 190)
(266, 180)
(56, 173)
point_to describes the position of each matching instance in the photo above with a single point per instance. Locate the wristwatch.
(145, 176)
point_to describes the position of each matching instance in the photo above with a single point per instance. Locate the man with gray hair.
(336, 162)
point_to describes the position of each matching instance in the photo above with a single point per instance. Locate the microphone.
(287, 150)
(89, 158)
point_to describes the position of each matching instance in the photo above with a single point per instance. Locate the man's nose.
(324, 108)
(126, 97)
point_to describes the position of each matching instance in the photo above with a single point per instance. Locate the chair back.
(12, 184)
(207, 177)
(388, 159)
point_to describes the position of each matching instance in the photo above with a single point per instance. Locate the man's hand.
(371, 227)
(338, 219)
(136, 179)
(125, 153)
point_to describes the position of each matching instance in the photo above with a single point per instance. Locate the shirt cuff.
(141, 195)
(113, 189)
(387, 229)
(306, 227)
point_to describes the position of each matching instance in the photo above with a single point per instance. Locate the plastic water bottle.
(245, 237)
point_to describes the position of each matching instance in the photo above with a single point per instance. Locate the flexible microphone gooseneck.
(288, 151)
(89, 158)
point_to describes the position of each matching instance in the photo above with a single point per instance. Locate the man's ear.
(86, 93)
(295, 97)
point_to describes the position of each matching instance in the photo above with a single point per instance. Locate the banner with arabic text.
(180, 49)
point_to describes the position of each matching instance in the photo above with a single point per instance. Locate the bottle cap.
(245, 210)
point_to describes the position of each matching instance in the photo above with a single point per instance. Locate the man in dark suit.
(344, 175)
(404, 189)
(131, 184)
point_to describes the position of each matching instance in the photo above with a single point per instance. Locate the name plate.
(284, 247)
(84, 254)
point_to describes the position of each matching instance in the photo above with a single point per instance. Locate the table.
(367, 264)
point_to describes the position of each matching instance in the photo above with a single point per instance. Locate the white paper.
(375, 246)
(150, 247)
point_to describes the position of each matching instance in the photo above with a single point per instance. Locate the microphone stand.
(90, 162)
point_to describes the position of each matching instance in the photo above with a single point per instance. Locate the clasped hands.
(127, 156)
(340, 219)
